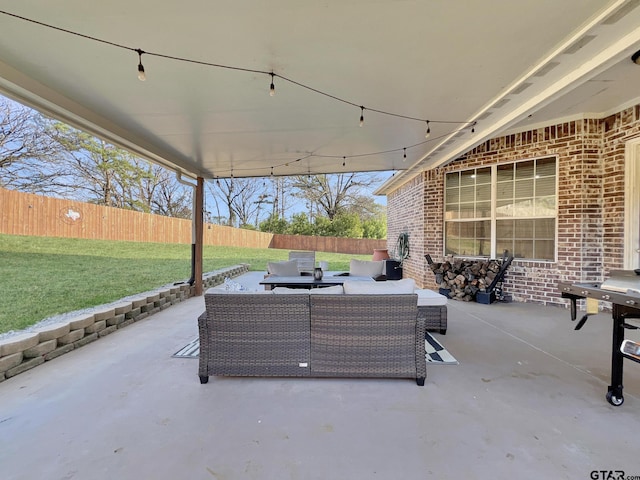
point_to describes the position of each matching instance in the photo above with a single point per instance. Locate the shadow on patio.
(526, 401)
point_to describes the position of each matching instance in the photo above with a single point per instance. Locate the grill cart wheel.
(615, 400)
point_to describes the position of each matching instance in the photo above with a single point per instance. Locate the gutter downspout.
(191, 280)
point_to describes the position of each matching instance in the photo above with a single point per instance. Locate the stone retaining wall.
(40, 344)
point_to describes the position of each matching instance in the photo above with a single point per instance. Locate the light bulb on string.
(428, 133)
(344, 161)
(272, 87)
(142, 76)
(361, 116)
(404, 159)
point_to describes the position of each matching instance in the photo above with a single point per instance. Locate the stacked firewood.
(462, 279)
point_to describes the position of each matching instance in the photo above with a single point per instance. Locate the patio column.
(198, 218)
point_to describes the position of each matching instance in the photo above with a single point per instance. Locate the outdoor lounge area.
(527, 400)
(486, 135)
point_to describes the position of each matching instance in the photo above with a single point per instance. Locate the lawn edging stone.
(44, 342)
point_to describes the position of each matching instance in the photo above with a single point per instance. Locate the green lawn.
(42, 276)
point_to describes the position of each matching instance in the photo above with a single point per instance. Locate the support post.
(198, 217)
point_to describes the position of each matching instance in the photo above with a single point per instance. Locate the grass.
(43, 276)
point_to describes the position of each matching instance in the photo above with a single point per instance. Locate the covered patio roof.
(464, 71)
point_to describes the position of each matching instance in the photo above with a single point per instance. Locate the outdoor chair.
(306, 261)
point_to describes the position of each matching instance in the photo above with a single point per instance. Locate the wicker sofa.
(315, 334)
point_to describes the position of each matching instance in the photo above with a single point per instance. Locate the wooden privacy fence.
(354, 246)
(29, 214)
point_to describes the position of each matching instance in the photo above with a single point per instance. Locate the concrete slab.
(526, 401)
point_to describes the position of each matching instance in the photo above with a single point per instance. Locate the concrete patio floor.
(526, 401)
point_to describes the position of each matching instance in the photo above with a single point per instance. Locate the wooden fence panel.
(356, 246)
(29, 214)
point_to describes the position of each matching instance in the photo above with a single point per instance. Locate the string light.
(344, 161)
(142, 76)
(231, 67)
(361, 155)
(236, 68)
(404, 159)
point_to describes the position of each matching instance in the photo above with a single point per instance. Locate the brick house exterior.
(590, 224)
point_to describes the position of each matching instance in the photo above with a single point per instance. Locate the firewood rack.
(494, 292)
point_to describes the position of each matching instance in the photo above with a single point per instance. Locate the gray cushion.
(404, 286)
(366, 268)
(284, 269)
(290, 291)
(332, 290)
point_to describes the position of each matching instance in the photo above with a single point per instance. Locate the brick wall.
(590, 223)
(409, 204)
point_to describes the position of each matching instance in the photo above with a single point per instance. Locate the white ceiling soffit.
(500, 64)
(588, 75)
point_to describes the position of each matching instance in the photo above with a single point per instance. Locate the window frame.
(493, 217)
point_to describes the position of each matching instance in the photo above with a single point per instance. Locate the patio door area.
(632, 205)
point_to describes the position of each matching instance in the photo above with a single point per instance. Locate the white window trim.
(494, 218)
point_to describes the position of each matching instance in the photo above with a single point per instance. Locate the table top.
(308, 281)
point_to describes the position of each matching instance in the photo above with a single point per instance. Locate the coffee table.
(307, 281)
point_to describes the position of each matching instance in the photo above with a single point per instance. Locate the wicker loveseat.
(311, 335)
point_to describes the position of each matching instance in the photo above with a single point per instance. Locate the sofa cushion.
(404, 286)
(332, 290)
(221, 290)
(429, 298)
(284, 269)
(366, 268)
(288, 291)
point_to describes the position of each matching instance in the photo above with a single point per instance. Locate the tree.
(375, 227)
(347, 225)
(29, 153)
(274, 224)
(164, 195)
(102, 173)
(332, 194)
(281, 188)
(242, 197)
(300, 225)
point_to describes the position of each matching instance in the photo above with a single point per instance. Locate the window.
(503, 207)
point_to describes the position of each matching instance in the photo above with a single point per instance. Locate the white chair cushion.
(289, 291)
(366, 268)
(406, 285)
(332, 290)
(220, 290)
(284, 269)
(429, 298)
